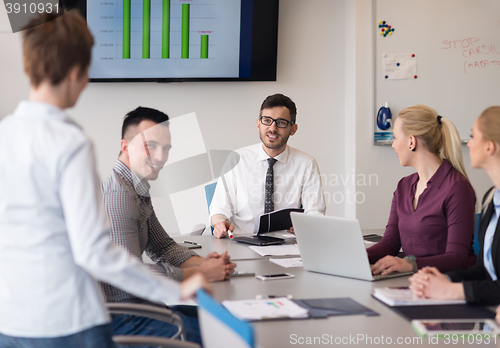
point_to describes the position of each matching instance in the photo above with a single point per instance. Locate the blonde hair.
(489, 126)
(438, 136)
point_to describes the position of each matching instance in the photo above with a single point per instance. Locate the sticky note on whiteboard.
(399, 66)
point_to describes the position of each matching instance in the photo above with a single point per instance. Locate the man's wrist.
(189, 271)
(218, 218)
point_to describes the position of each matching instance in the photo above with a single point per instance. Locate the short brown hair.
(136, 116)
(277, 100)
(53, 45)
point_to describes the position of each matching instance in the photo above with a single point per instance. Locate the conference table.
(388, 328)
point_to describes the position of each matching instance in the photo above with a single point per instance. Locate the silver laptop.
(334, 246)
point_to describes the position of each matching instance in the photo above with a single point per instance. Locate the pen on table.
(260, 297)
(398, 287)
(188, 242)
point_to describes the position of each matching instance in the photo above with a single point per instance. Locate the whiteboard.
(457, 47)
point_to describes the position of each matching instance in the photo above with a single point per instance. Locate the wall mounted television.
(182, 40)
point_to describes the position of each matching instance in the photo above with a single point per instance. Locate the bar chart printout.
(151, 38)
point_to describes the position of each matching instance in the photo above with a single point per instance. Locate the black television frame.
(264, 56)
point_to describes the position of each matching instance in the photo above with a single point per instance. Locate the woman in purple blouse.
(432, 212)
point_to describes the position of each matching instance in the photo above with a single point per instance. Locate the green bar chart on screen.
(126, 29)
(144, 39)
(204, 47)
(146, 29)
(185, 31)
(165, 35)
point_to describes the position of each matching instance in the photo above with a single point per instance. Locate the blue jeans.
(124, 324)
(95, 337)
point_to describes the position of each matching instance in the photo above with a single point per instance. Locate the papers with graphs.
(288, 263)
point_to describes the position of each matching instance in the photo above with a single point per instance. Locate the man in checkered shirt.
(144, 150)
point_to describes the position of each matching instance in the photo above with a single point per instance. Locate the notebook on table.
(405, 297)
(259, 240)
(455, 311)
(270, 222)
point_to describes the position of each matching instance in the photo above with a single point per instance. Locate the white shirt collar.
(37, 110)
(496, 199)
(27, 108)
(282, 157)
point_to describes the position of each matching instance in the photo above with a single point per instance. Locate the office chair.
(219, 328)
(209, 194)
(475, 244)
(198, 230)
(152, 312)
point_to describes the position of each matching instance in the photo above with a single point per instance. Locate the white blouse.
(54, 234)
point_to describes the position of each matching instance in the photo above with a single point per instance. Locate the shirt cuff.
(218, 211)
(218, 218)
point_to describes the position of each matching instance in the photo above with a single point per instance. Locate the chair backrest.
(198, 230)
(209, 194)
(219, 328)
(475, 244)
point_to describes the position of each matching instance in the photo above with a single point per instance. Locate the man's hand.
(291, 230)
(226, 258)
(192, 284)
(220, 228)
(217, 269)
(430, 283)
(389, 264)
(212, 255)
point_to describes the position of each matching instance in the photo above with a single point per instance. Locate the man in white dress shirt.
(54, 235)
(269, 176)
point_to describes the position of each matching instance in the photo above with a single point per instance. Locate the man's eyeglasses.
(280, 123)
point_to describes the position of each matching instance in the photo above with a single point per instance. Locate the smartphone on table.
(242, 274)
(275, 276)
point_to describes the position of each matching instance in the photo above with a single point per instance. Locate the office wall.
(13, 83)
(382, 160)
(311, 62)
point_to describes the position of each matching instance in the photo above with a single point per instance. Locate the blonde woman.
(432, 212)
(478, 285)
